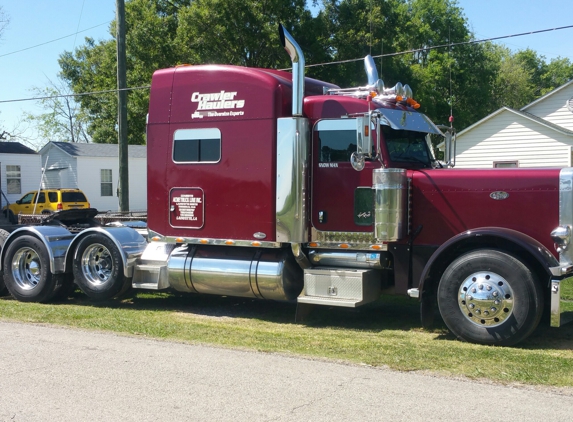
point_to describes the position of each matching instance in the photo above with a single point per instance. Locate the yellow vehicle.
(46, 201)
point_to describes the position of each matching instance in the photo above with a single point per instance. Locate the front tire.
(490, 297)
(98, 268)
(27, 271)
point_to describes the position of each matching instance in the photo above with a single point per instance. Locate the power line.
(81, 94)
(444, 46)
(51, 41)
(311, 65)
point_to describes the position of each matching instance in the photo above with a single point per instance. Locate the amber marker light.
(376, 247)
(204, 241)
(344, 245)
(229, 242)
(313, 244)
(256, 243)
(156, 238)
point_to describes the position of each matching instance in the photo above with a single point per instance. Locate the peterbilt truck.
(268, 184)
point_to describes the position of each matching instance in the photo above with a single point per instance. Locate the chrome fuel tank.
(230, 271)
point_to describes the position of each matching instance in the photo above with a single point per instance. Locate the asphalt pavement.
(58, 374)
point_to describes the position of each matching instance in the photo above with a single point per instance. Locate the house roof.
(549, 94)
(524, 114)
(15, 148)
(97, 150)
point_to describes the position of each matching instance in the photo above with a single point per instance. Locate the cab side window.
(41, 198)
(53, 196)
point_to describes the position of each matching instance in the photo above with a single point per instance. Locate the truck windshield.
(407, 146)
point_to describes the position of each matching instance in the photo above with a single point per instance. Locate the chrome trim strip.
(211, 241)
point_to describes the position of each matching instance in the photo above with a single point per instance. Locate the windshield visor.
(408, 120)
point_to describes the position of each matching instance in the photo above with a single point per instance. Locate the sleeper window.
(197, 146)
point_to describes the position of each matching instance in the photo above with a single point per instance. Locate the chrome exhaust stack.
(297, 58)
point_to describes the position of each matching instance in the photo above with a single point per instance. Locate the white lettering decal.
(216, 101)
(327, 164)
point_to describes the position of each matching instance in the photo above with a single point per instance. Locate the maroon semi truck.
(267, 184)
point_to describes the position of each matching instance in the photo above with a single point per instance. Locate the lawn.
(386, 333)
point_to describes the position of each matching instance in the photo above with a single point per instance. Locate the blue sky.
(35, 22)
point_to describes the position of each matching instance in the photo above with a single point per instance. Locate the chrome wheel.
(26, 268)
(486, 298)
(97, 264)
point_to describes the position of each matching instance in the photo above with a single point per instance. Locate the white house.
(94, 168)
(538, 135)
(20, 171)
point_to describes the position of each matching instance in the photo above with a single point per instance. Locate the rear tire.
(27, 272)
(490, 297)
(3, 236)
(98, 268)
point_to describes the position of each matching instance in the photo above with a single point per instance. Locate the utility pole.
(122, 107)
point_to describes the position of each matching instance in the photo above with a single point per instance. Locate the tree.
(4, 21)
(237, 31)
(150, 32)
(63, 120)
(513, 86)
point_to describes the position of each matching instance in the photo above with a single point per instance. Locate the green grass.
(386, 333)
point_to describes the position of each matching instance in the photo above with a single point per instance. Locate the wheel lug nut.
(470, 297)
(481, 286)
(494, 294)
(472, 306)
(488, 288)
(493, 309)
(478, 311)
(474, 290)
(485, 312)
(496, 302)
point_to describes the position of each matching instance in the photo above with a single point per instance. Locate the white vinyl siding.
(89, 170)
(510, 137)
(61, 170)
(30, 174)
(85, 172)
(554, 108)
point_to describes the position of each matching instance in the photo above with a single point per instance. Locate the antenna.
(451, 119)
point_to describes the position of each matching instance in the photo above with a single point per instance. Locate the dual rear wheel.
(97, 270)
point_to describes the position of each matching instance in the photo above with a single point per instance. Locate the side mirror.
(363, 136)
(18, 201)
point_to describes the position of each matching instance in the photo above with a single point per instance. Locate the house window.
(106, 183)
(13, 179)
(505, 164)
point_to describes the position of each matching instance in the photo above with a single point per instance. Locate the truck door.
(341, 196)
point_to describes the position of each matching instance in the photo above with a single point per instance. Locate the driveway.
(59, 374)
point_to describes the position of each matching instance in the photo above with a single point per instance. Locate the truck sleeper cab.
(270, 185)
